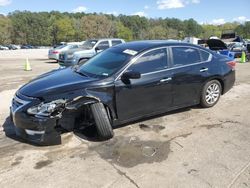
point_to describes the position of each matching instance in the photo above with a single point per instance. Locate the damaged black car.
(121, 84)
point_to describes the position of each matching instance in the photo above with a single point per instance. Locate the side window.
(204, 55)
(185, 56)
(103, 45)
(151, 61)
(73, 47)
(116, 42)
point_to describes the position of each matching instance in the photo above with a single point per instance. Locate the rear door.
(190, 68)
(149, 94)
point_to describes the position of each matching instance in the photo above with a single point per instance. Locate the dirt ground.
(192, 147)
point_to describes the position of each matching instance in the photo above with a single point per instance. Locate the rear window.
(185, 56)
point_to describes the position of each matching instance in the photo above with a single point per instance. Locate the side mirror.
(131, 75)
(98, 50)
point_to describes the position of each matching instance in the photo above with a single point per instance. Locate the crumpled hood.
(216, 44)
(55, 82)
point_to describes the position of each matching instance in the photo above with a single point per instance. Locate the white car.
(54, 53)
(3, 47)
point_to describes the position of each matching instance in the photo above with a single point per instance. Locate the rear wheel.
(211, 93)
(102, 121)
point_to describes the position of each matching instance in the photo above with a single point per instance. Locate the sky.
(203, 11)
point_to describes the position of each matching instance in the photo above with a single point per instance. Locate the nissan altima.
(119, 85)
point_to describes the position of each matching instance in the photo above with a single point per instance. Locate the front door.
(149, 94)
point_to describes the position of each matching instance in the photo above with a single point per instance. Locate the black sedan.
(122, 84)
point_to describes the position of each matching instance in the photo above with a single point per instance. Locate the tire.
(102, 121)
(211, 93)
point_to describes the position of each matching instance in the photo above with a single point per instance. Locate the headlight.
(47, 109)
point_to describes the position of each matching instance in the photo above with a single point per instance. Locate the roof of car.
(148, 44)
(106, 39)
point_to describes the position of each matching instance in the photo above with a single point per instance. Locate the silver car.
(86, 51)
(54, 53)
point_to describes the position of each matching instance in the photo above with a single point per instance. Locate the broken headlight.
(47, 109)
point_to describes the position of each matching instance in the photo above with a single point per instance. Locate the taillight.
(55, 52)
(231, 64)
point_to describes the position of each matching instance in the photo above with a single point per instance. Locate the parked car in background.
(237, 48)
(86, 51)
(12, 47)
(3, 47)
(54, 53)
(248, 50)
(27, 46)
(220, 47)
(230, 36)
(124, 83)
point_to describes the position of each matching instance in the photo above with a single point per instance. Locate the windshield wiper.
(81, 73)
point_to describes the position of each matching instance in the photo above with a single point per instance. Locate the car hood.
(216, 44)
(55, 82)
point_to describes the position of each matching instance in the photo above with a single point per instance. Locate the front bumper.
(37, 130)
(53, 56)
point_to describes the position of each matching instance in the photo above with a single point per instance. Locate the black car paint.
(126, 100)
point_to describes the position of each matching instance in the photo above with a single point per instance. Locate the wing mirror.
(98, 50)
(131, 75)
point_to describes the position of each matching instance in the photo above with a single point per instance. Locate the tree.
(210, 30)
(5, 29)
(96, 26)
(158, 32)
(192, 28)
(123, 32)
(244, 30)
(64, 29)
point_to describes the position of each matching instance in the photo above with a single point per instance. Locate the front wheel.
(102, 121)
(211, 93)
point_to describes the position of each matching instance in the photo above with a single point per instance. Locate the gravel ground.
(192, 147)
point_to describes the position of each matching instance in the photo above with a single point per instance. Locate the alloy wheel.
(212, 93)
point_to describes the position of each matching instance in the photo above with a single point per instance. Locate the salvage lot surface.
(192, 147)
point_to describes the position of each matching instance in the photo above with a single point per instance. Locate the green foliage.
(192, 28)
(244, 30)
(96, 26)
(48, 28)
(123, 32)
(5, 29)
(64, 28)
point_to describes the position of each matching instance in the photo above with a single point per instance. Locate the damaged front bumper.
(35, 129)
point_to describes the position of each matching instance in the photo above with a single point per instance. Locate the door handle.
(204, 70)
(165, 80)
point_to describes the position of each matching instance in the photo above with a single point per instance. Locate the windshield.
(60, 47)
(105, 63)
(89, 44)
